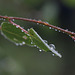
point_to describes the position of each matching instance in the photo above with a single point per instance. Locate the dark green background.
(25, 60)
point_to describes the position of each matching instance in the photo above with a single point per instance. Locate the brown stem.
(18, 26)
(0, 27)
(41, 22)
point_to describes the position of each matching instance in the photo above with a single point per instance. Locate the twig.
(0, 27)
(18, 26)
(72, 34)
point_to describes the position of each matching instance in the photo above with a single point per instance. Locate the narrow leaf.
(40, 43)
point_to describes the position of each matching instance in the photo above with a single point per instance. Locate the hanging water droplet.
(52, 46)
(34, 45)
(20, 44)
(63, 32)
(59, 30)
(31, 42)
(17, 44)
(28, 29)
(13, 19)
(28, 34)
(53, 54)
(50, 27)
(22, 30)
(37, 23)
(17, 26)
(23, 42)
(40, 50)
(4, 19)
(55, 29)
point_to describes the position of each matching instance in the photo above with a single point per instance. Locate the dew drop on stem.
(50, 27)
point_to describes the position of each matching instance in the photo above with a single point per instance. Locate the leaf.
(15, 34)
(40, 43)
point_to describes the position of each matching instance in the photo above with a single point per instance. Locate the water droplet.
(53, 54)
(28, 29)
(13, 19)
(55, 29)
(23, 42)
(52, 46)
(34, 45)
(31, 42)
(45, 41)
(28, 34)
(17, 26)
(63, 32)
(50, 27)
(20, 44)
(40, 50)
(22, 30)
(4, 19)
(59, 30)
(17, 44)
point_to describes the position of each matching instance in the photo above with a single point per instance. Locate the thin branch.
(0, 27)
(18, 26)
(72, 34)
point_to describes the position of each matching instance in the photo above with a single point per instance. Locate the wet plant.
(18, 35)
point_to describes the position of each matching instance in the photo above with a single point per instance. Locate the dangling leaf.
(40, 43)
(15, 34)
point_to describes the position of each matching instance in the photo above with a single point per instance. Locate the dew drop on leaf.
(52, 46)
(40, 50)
(20, 44)
(23, 42)
(53, 54)
(17, 44)
(45, 41)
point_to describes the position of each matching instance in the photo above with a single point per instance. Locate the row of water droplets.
(17, 44)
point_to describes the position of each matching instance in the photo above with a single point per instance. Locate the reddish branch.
(72, 34)
(0, 27)
(18, 26)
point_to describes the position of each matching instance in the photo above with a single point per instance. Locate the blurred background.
(25, 60)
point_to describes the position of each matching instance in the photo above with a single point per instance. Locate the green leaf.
(15, 34)
(40, 43)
